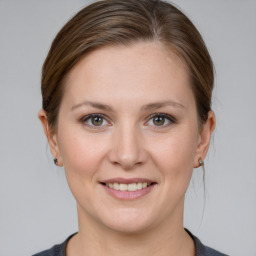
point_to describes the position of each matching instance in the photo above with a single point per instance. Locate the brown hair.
(115, 22)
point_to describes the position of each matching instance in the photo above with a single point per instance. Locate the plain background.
(37, 209)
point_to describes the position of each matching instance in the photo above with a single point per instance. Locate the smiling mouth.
(128, 187)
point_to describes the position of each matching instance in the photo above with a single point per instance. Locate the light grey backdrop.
(36, 208)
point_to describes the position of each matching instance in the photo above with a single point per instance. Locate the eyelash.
(89, 117)
(167, 117)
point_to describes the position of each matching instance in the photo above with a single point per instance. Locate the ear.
(204, 138)
(52, 138)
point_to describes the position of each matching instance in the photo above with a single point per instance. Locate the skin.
(129, 143)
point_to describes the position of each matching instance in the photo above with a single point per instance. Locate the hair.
(124, 22)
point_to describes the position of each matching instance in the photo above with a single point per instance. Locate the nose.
(127, 148)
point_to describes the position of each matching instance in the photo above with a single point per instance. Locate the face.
(128, 136)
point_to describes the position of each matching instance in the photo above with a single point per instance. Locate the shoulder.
(202, 250)
(56, 250)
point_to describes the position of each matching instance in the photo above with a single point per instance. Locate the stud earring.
(55, 160)
(201, 162)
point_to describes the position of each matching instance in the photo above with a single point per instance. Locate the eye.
(160, 120)
(94, 121)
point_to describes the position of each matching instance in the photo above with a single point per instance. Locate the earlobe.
(52, 138)
(205, 138)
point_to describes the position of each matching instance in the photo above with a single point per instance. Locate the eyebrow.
(157, 105)
(146, 107)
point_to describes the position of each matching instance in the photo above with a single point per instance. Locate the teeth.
(132, 187)
(128, 187)
(140, 185)
(116, 186)
(123, 187)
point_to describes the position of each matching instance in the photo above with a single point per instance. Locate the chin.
(128, 221)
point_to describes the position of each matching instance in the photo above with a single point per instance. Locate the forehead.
(142, 70)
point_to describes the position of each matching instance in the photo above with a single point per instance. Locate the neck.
(166, 239)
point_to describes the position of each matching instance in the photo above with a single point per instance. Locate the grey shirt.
(201, 250)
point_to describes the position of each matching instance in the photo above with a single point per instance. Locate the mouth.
(128, 188)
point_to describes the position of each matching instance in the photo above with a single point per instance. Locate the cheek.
(174, 156)
(81, 153)
(82, 156)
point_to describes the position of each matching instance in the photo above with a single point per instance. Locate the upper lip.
(127, 181)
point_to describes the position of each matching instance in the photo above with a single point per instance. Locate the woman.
(126, 91)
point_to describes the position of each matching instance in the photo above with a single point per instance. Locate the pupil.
(97, 120)
(158, 120)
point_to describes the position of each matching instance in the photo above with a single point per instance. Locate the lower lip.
(128, 195)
